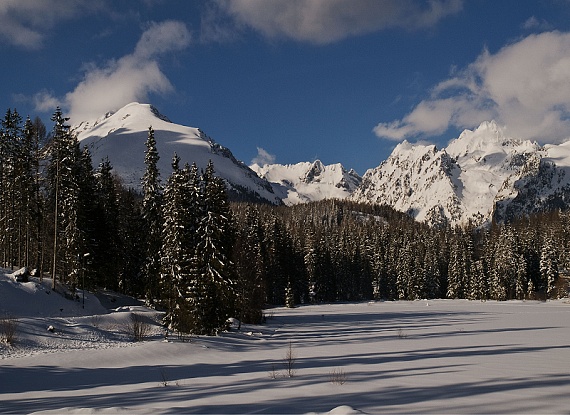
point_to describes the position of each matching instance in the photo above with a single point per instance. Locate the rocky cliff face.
(482, 175)
(307, 182)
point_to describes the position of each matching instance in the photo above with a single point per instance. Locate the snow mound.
(341, 410)
(36, 298)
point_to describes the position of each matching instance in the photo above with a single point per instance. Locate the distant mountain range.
(482, 175)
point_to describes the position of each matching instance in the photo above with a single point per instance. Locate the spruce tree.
(248, 261)
(152, 215)
(31, 212)
(63, 190)
(107, 254)
(215, 240)
(10, 152)
(549, 265)
(177, 252)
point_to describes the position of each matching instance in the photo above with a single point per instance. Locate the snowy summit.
(308, 182)
(121, 137)
(483, 174)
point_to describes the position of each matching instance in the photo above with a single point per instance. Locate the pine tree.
(82, 238)
(177, 277)
(549, 265)
(152, 215)
(107, 254)
(30, 213)
(63, 188)
(131, 241)
(10, 149)
(213, 249)
(248, 262)
(521, 286)
(479, 286)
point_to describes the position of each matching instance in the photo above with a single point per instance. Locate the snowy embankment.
(397, 357)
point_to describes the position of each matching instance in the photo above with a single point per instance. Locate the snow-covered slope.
(307, 182)
(121, 137)
(418, 179)
(480, 357)
(482, 174)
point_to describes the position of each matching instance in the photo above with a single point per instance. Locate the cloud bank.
(524, 86)
(24, 23)
(326, 21)
(130, 78)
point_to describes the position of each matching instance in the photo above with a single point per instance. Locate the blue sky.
(289, 81)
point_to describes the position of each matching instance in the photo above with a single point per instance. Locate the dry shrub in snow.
(138, 327)
(289, 361)
(8, 329)
(337, 376)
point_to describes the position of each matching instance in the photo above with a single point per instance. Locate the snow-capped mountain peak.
(306, 181)
(480, 175)
(121, 136)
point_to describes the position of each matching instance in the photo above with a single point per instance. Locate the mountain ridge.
(309, 181)
(121, 136)
(481, 176)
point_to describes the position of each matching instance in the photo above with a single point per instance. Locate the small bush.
(273, 374)
(289, 361)
(8, 329)
(138, 327)
(338, 377)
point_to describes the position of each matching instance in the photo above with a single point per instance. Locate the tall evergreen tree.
(107, 253)
(549, 265)
(248, 262)
(216, 238)
(178, 251)
(132, 242)
(30, 214)
(63, 187)
(152, 215)
(10, 149)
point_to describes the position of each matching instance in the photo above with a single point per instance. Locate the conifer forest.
(185, 248)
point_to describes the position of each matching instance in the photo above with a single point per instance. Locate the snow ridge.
(121, 136)
(482, 175)
(307, 182)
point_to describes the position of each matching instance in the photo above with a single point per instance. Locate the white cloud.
(45, 101)
(130, 78)
(263, 157)
(161, 38)
(325, 21)
(25, 23)
(533, 23)
(525, 86)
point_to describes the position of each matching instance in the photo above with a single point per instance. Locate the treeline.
(342, 251)
(183, 246)
(61, 217)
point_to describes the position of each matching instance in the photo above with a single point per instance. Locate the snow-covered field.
(383, 357)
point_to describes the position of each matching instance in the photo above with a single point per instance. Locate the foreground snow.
(396, 357)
